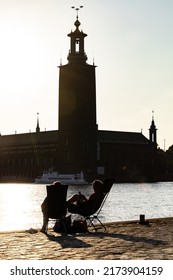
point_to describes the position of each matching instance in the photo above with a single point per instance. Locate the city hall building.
(78, 145)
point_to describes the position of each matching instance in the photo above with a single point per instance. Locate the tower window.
(77, 45)
(152, 138)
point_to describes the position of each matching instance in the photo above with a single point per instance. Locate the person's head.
(57, 184)
(97, 184)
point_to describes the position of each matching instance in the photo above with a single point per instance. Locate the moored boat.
(50, 177)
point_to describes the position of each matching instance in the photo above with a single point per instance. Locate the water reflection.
(20, 203)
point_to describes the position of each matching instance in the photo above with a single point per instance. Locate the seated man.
(79, 204)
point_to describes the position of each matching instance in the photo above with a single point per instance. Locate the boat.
(49, 177)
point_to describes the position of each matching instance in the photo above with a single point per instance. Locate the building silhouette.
(78, 145)
(77, 108)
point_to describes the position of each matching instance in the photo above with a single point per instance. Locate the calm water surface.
(20, 203)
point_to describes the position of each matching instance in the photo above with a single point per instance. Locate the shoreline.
(123, 240)
(151, 220)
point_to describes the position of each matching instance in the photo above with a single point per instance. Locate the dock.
(126, 240)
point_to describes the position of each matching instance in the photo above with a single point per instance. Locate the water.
(20, 203)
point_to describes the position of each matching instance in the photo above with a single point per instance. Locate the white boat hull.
(49, 177)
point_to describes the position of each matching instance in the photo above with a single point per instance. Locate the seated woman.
(79, 204)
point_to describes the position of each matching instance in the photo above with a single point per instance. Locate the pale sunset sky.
(131, 42)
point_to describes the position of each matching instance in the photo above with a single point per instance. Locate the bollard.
(142, 220)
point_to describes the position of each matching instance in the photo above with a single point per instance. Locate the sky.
(131, 42)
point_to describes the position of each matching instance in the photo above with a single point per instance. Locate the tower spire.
(153, 115)
(77, 10)
(153, 131)
(38, 127)
(77, 52)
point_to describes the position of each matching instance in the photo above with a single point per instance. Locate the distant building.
(78, 145)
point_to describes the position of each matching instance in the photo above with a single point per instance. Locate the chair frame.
(59, 211)
(92, 213)
(107, 185)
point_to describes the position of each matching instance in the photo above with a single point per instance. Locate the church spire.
(153, 131)
(38, 127)
(77, 53)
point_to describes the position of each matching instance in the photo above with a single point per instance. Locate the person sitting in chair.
(74, 204)
(44, 210)
(79, 204)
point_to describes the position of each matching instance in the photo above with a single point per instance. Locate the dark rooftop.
(121, 137)
(117, 137)
(28, 138)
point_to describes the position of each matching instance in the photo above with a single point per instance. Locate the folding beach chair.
(56, 202)
(91, 209)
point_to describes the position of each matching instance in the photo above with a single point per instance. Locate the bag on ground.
(63, 225)
(79, 226)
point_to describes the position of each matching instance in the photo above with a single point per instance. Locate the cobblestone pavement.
(121, 241)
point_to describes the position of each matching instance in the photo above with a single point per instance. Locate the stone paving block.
(121, 241)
